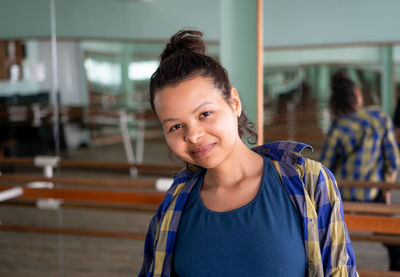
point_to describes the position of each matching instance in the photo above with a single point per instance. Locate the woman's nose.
(193, 134)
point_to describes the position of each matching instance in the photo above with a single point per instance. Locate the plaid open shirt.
(313, 191)
(361, 146)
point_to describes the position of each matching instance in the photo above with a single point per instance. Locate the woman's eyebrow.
(194, 111)
(168, 120)
(201, 105)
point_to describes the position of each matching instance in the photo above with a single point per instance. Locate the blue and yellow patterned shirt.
(361, 146)
(313, 191)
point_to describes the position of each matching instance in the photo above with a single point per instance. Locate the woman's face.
(199, 125)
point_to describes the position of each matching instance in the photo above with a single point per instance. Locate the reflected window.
(103, 72)
(139, 71)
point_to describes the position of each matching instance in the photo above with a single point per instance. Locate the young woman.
(361, 145)
(235, 211)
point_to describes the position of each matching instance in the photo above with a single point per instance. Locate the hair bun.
(339, 79)
(185, 40)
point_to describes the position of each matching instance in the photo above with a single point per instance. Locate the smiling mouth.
(204, 150)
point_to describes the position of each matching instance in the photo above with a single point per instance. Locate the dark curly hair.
(184, 58)
(343, 98)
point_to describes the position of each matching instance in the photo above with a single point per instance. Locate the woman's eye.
(175, 127)
(205, 114)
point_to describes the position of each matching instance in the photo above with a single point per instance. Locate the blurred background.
(74, 79)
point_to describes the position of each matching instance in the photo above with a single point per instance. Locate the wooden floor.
(39, 255)
(24, 255)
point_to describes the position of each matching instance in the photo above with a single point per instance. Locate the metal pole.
(260, 73)
(56, 130)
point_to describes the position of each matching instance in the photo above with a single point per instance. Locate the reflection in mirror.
(116, 78)
(104, 96)
(25, 98)
(99, 75)
(102, 93)
(297, 89)
(396, 63)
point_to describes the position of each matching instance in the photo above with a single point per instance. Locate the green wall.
(108, 18)
(315, 22)
(238, 49)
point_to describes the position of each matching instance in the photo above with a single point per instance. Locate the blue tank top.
(261, 238)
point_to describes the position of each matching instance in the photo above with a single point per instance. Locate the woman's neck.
(243, 163)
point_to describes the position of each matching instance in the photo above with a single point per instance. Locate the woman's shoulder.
(290, 153)
(183, 181)
(374, 111)
(286, 156)
(283, 150)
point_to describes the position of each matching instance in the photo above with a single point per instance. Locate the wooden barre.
(367, 223)
(348, 207)
(92, 206)
(154, 198)
(299, 115)
(167, 169)
(377, 273)
(295, 136)
(143, 168)
(74, 112)
(389, 239)
(71, 232)
(100, 165)
(98, 125)
(371, 208)
(91, 196)
(127, 235)
(136, 183)
(112, 206)
(366, 184)
(298, 127)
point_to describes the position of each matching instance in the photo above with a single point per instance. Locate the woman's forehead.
(188, 90)
(186, 97)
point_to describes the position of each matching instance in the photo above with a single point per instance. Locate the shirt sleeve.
(337, 255)
(149, 248)
(390, 148)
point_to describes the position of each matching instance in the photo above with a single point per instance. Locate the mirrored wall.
(297, 87)
(75, 107)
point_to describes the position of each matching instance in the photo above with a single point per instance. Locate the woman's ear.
(235, 102)
(359, 98)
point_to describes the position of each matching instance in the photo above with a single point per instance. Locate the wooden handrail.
(367, 223)
(295, 136)
(133, 236)
(98, 182)
(71, 231)
(92, 206)
(371, 208)
(389, 239)
(17, 161)
(99, 165)
(366, 184)
(377, 273)
(92, 196)
(142, 168)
